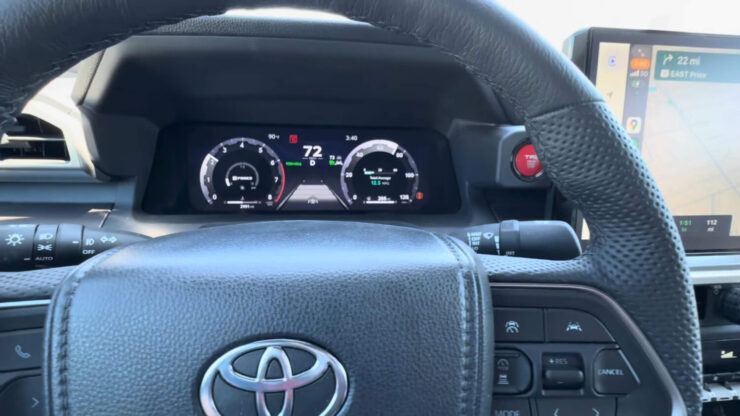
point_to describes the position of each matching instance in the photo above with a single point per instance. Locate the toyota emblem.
(270, 377)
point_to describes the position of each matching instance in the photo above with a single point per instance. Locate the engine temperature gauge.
(378, 173)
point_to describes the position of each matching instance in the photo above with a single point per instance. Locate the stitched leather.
(61, 350)
(421, 342)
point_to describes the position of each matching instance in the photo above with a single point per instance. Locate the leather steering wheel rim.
(635, 255)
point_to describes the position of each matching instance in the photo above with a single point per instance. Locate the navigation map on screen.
(681, 107)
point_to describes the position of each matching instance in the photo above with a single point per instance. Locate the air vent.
(35, 139)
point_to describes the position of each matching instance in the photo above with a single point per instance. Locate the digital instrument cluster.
(258, 168)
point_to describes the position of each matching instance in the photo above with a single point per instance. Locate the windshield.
(556, 20)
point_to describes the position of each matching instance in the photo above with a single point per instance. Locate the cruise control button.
(576, 407)
(518, 325)
(562, 360)
(564, 379)
(23, 397)
(565, 325)
(613, 374)
(510, 407)
(512, 372)
(562, 371)
(21, 349)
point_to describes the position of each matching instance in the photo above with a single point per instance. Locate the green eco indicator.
(697, 66)
(332, 163)
(293, 163)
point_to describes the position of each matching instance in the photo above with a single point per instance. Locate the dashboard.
(184, 128)
(319, 169)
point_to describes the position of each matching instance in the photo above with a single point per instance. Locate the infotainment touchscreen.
(678, 97)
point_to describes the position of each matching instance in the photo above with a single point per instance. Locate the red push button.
(526, 162)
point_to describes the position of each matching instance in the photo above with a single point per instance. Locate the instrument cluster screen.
(262, 168)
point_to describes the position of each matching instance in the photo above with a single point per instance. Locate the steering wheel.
(400, 318)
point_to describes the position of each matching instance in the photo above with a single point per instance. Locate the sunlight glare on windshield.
(286, 13)
(557, 20)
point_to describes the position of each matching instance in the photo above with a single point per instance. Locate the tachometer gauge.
(242, 173)
(379, 172)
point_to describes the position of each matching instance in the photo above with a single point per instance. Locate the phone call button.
(21, 349)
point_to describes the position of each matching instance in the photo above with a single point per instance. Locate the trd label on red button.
(526, 162)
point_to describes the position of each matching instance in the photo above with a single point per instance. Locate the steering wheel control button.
(613, 374)
(526, 162)
(512, 372)
(562, 371)
(558, 360)
(563, 379)
(518, 325)
(21, 349)
(23, 397)
(510, 407)
(17, 246)
(576, 407)
(277, 379)
(566, 325)
(44, 246)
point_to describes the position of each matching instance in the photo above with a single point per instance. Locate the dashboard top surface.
(295, 74)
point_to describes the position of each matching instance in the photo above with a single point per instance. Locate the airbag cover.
(406, 312)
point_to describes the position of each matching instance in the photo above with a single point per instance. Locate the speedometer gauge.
(378, 173)
(242, 173)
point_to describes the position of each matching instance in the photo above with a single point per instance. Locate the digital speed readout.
(310, 170)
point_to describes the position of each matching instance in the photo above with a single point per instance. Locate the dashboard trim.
(715, 269)
(24, 303)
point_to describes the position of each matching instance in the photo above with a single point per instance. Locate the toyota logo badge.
(280, 368)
